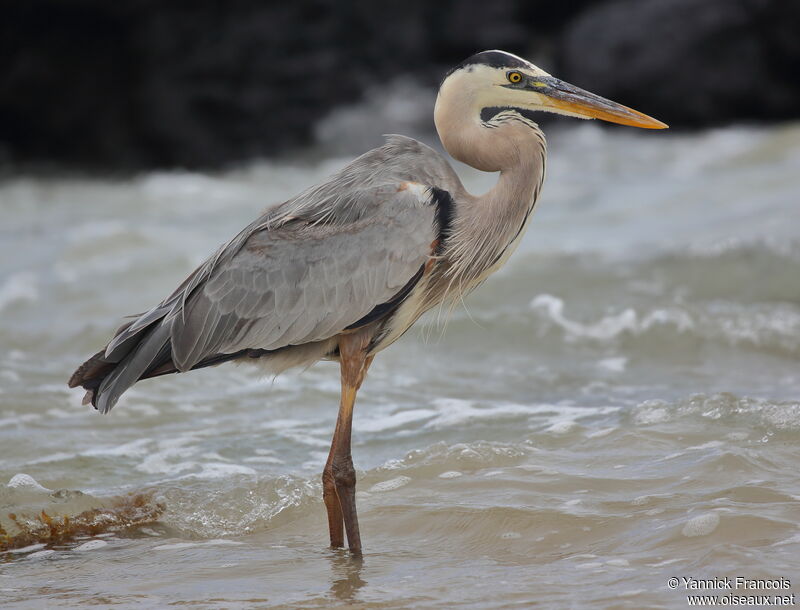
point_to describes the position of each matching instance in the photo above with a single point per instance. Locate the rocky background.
(131, 84)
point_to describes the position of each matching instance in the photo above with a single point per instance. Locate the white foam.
(456, 412)
(176, 546)
(606, 328)
(701, 525)
(25, 481)
(615, 365)
(28, 549)
(609, 327)
(643, 500)
(666, 562)
(39, 554)
(781, 415)
(171, 456)
(163, 462)
(708, 445)
(53, 457)
(216, 470)
(186, 545)
(652, 412)
(92, 545)
(451, 474)
(396, 420)
(304, 438)
(263, 459)
(561, 427)
(795, 539)
(391, 484)
(600, 433)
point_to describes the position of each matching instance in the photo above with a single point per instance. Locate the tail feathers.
(130, 334)
(95, 367)
(132, 367)
(90, 374)
(106, 376)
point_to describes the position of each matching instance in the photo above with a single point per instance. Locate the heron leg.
(331, 498)
(339, 476)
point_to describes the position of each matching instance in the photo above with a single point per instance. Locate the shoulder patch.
(420, 190)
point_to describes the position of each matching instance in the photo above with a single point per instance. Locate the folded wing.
(295, 276)
(307, 281)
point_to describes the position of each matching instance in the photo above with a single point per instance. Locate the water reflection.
(346, 578)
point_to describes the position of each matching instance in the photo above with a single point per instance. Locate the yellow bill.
(569, 99)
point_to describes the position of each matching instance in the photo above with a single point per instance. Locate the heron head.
(500, 80)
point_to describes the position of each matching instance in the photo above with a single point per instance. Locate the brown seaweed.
(50, 529)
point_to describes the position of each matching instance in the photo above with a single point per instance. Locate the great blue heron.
(343, 269)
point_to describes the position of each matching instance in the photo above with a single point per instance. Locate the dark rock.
(690, 62)
(142, 83)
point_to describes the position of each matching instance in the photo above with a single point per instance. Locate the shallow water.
(618, 406)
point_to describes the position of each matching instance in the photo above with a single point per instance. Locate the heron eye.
(514, 77)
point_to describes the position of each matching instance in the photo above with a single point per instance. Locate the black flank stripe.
(445, 210)
(386, 308)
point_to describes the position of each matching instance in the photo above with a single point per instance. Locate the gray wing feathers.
(306, 282)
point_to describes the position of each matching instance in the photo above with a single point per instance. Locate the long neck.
(519, 183)
(488, 226)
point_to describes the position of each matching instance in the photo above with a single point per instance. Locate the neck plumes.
(488, 227)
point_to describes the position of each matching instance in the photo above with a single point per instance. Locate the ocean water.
(618, 406)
